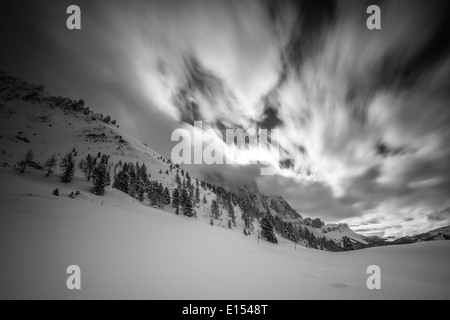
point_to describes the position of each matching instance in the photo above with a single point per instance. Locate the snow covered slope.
(127, 250)
(32, 119)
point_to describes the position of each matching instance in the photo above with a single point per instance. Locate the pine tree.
(88, 165)
(167, 199)
(176, 200)
(132, 180)
(153, 193)
(245, 232)
(192, 194)
(215, 213)
(143, 175)
(204, 200)
(229, 224)
(100, 178)
(26, 161)
(139, 189)
(347, 243)
(231, 213)
(211, 222)
(178, 180)
(50, 164)
(188, 180)
(140, 181)
(183, 196)
(307, 235)
(247, 221)
(121, 181)
(160, 193)
(288, 233)
(267, 229)
(68, 168)
(197, 194)
(187, 204)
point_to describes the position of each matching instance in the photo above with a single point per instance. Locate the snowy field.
(130, 251)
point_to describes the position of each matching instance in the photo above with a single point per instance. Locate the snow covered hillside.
(32, 119)
(130, 242)
(127, 250)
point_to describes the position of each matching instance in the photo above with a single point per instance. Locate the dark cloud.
(442, 215)
(384, 150)
(270, 118)
(287, 163)
(309, 18)
(396, 72)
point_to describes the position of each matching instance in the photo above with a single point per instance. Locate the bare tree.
(50, 164)
(26, 161)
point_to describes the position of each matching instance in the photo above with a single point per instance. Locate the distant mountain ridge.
(442, 233)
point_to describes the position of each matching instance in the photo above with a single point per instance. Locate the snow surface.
(130, 251)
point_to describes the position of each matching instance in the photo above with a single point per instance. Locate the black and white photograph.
(225, 150)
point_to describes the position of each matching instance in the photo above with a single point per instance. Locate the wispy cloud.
(363, 115)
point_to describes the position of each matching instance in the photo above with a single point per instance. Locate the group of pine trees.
(186, 195)
(134, 180)
(267, 229)
(301, 233)
(95, 168)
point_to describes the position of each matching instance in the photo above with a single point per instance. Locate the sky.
(363, 115)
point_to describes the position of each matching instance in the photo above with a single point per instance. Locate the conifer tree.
(197, 195)
(347, 243)
(186, 203)
(68, 168)
(176, 200)
(167, 199)
(188, 180)
(132, 180)
(288, 232)
(247, 221)
(87, 165)
(231, 213)
(139, 188)
(267, 231)
(121, 181)
(100, 177)
(183, 196)
(153, 193)
(178, 180)
(215, 213)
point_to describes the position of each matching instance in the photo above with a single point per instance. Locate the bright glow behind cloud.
(363, 115)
